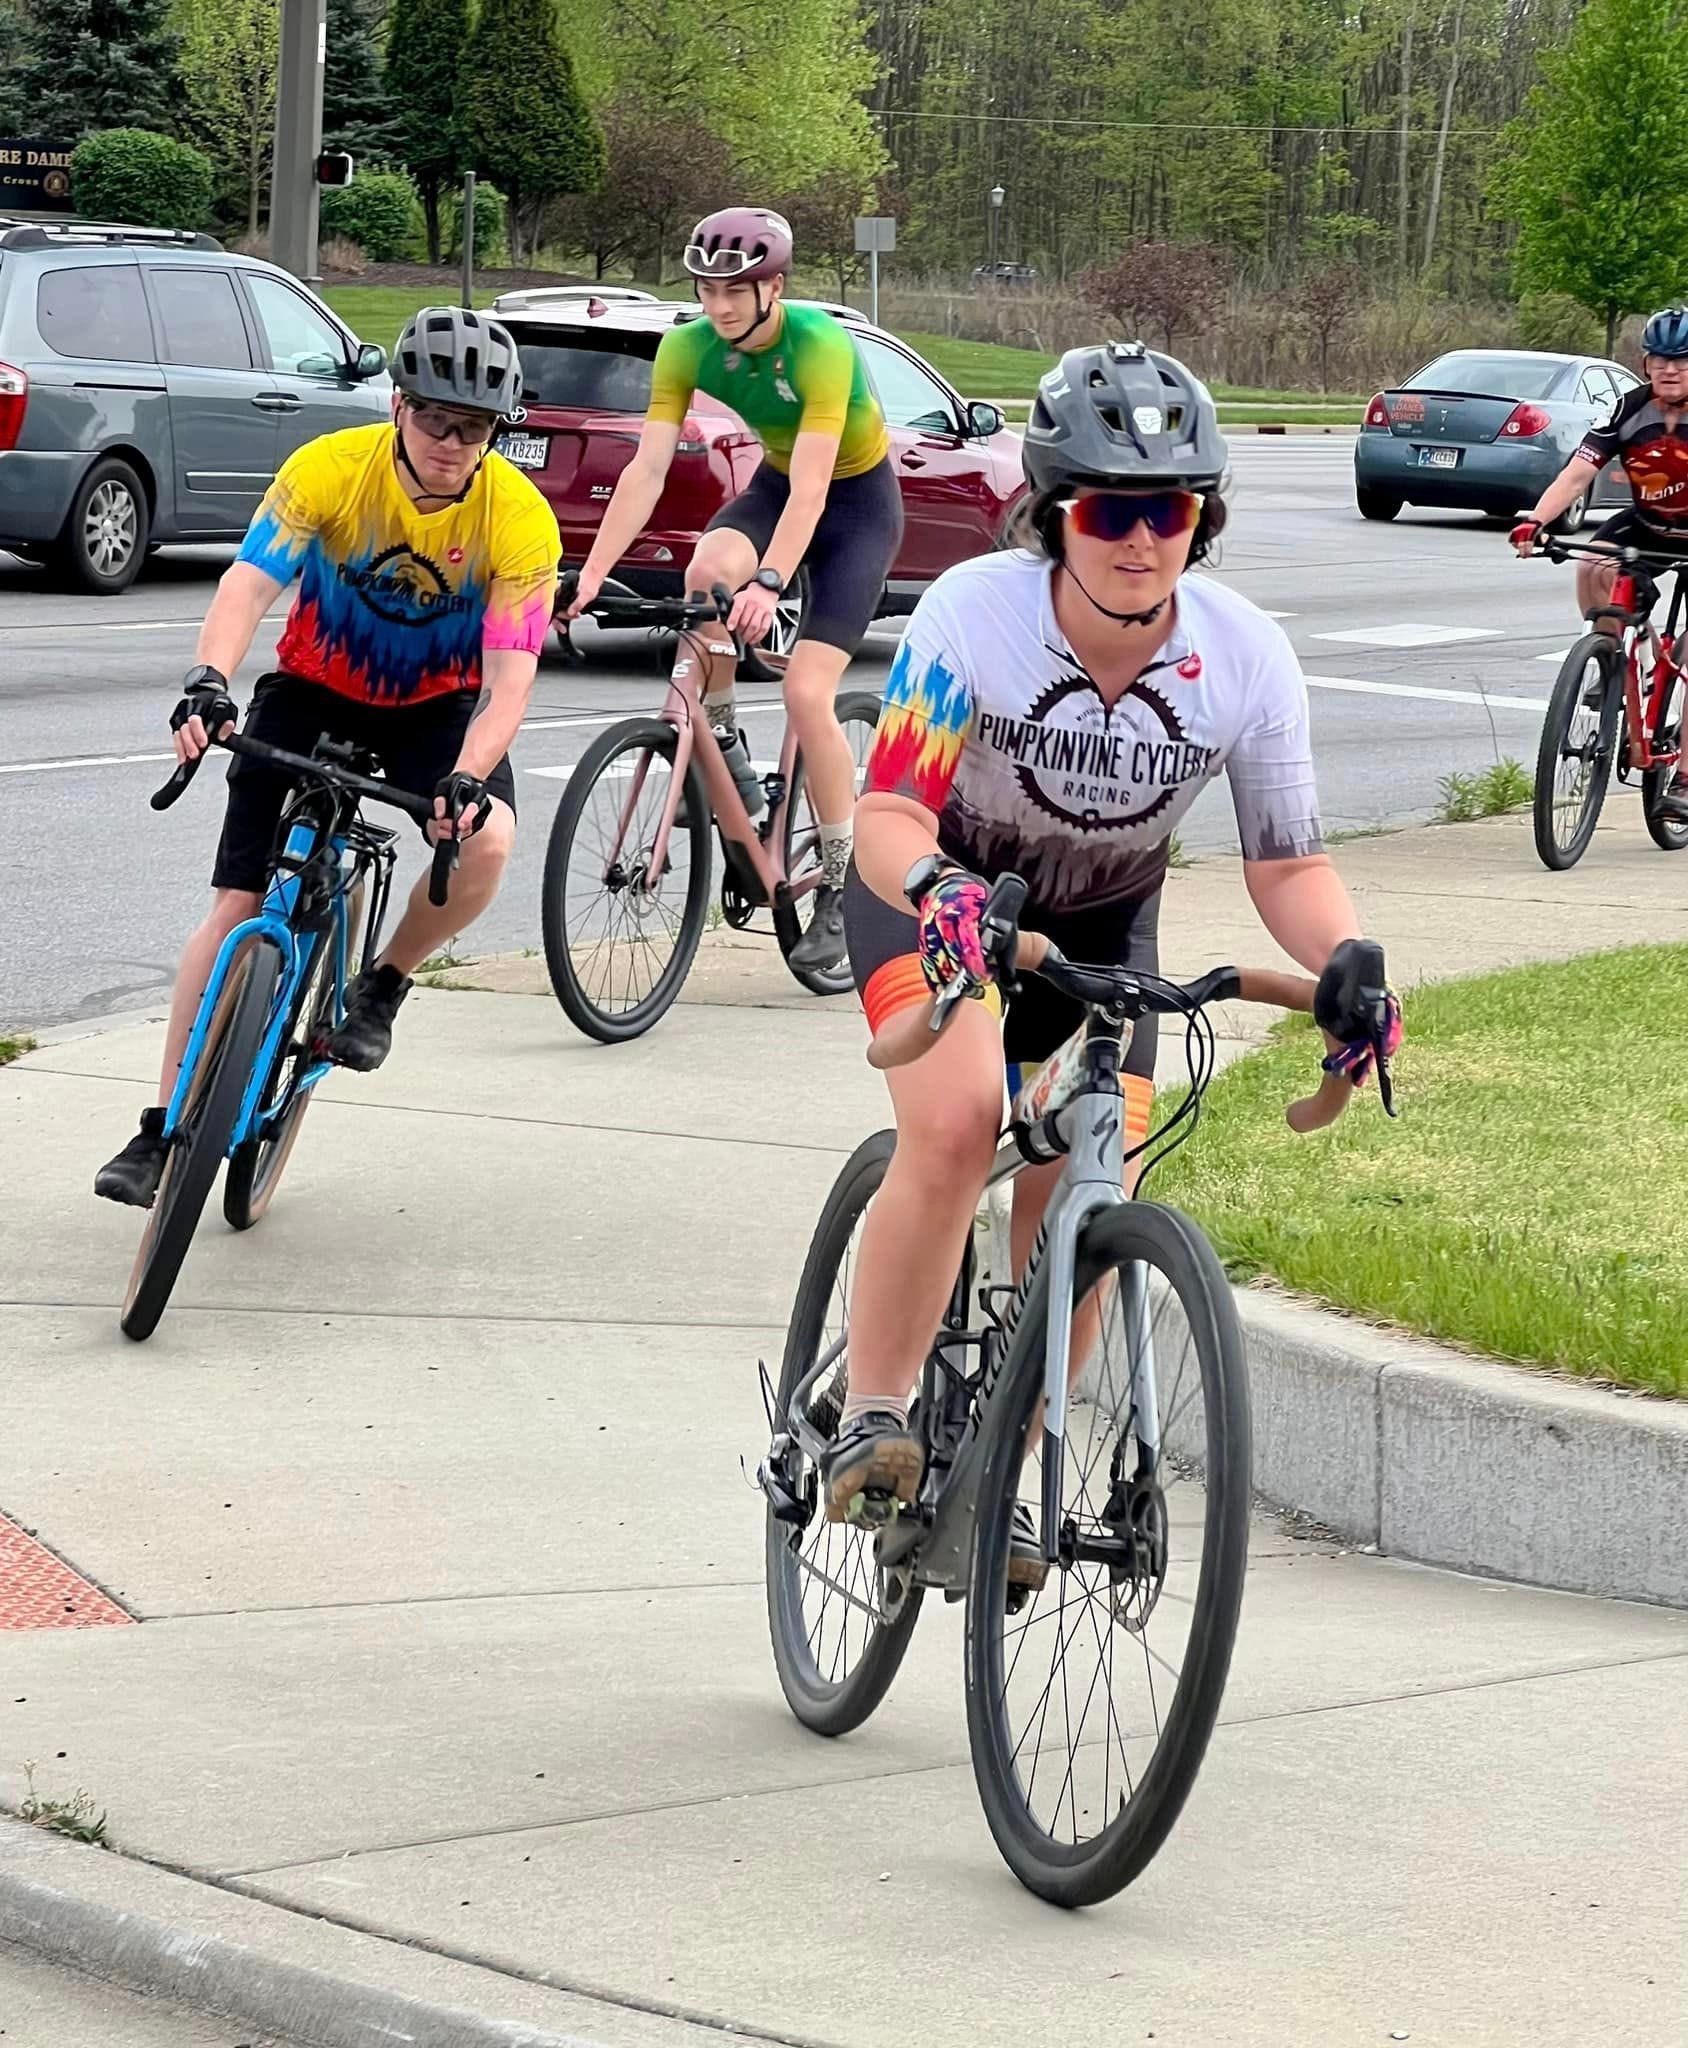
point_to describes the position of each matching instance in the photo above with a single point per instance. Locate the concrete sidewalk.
(449, 1668)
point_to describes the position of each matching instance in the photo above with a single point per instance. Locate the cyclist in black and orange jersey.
(824, 496)
(1648, 433)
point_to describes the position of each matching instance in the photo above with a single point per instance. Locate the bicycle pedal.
(875, 1507)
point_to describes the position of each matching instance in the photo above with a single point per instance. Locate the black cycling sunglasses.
(1112, 515)
(440, 423)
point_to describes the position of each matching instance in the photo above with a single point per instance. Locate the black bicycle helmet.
(1666, 334)
(452, 356)
(1119, 414)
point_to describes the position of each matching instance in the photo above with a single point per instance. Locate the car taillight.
(14, 396)
(1524, 420)
(1377, 413)
(692, 440)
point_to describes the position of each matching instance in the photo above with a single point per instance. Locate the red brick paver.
(39, 1590)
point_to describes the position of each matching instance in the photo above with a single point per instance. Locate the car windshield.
(1493, 376)
(597, 373)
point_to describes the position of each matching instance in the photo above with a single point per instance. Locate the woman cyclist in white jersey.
(1054, 711)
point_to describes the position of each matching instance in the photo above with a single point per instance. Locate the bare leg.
(229, 907)
(811, 688)
(424, 929)
(1594, 587)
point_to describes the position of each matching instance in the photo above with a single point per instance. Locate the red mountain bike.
(1640, 675)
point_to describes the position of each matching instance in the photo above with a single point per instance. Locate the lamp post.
(997, 197)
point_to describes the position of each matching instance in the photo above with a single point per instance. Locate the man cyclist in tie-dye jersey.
(427, 570)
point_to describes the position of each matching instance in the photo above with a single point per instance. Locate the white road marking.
(1558, 654)
(79, 761)
(1411, 634)
(100, 626)
(1369, 689)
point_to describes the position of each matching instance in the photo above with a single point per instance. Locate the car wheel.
(1571, 519)
(1377, 504)
(104, 541)
(789, 617)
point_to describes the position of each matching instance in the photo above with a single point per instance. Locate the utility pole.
(298, 136)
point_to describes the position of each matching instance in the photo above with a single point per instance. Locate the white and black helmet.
(451, 356)
(1120, 415)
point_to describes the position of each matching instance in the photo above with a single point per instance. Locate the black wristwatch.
(204, 677)
(770, 579)
(924, 873)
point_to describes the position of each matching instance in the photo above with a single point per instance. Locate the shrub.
(492, 227)
(380, 212)
(141, 179)
(1554, 320)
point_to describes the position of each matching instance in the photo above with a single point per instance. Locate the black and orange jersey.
(1654, 455)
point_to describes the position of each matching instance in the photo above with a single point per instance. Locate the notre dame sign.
(34, 175)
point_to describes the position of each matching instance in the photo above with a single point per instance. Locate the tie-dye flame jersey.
(990, 722)
(396, 605)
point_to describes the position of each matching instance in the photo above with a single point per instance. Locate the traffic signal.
(333, 167)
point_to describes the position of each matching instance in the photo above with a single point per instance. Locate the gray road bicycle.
(1091, 1696)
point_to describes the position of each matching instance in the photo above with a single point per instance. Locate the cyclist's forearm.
(1304, 905)
(244, 595)
(506, 684)
(1576, 477)
(892, 833)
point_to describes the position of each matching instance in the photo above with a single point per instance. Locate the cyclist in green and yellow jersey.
(825, 497)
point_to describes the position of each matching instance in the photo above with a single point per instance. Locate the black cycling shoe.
(1027, 1565)
(871, 1468)
(364, 1040)
(133, 1176)
(1673, 801)
(823, 945)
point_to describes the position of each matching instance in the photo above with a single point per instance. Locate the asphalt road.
(1428, 646)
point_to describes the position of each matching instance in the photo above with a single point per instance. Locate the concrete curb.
(216, 1975)
(1426, 1453)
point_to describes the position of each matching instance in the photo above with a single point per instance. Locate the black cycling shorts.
(855, 543)
(885, 960)
(416, 744)
(1627, 529)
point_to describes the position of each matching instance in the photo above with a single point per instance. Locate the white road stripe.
(1410, 633)
(1485, 698)
(79, 761)
(100, 626)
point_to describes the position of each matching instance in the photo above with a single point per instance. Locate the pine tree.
(425, 44)
(85, 65)
(357, 112)
(526, 123)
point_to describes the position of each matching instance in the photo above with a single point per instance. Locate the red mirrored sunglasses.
(1112, 515)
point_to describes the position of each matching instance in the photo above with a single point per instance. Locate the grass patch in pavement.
(1527, 1203)
(15, 1048)
(1507, 786)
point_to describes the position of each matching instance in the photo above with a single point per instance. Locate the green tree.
(1596, 174)
(378, 211)
(526, 124)
(357, 113)
(150, 181)
(231, 51)
(84, 65)
(664, 172)
(425, 44)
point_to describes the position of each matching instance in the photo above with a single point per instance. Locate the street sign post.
(298, 136)
(875, 233)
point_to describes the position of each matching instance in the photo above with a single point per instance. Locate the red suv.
(586, 366)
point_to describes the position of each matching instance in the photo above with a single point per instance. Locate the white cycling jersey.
(991, 722)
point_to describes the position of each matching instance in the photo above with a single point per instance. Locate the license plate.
(526, 451)
(1438, 458)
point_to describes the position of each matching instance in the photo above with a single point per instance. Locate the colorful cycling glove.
(950, 941)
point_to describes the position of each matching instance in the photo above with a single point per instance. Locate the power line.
(1388, 134)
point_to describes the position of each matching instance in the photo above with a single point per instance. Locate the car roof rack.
(35, 234)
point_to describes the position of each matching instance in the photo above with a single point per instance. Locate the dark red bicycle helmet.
(740, 244)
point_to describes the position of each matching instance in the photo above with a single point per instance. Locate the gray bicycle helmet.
(1119, 414)
(452, 356)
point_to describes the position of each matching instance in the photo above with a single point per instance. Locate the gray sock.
(836, 841)
(859, 1404)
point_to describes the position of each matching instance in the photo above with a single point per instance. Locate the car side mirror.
(371, 361)
(318, 366)
(984, 420)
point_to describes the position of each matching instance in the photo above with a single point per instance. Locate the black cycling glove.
(1355, 1004)
(207, 699)
(460, 791)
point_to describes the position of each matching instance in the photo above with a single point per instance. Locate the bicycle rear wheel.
(858, 714)
(1089, 1707)
(839, 1631)
(1574, 759)
(1667, 832)
(618, 941)
(202, 1135)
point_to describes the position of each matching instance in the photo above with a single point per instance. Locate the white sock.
(859, 1404)
(836, 841)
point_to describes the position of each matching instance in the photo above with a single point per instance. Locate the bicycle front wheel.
(858, 714)
(620, 937)
(1090, 1701)
(1574, 759)
(203, 1134)
(839, 1628)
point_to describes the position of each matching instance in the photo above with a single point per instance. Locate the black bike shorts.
(416, 744)
(1627, 529)
(885, 960)
(855, 543)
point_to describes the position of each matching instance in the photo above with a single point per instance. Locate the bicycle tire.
(203, 1134)
(257, 1163)
(829, 1707)
(855, 707)
(1082, 1873)
(1570, 693)
(1670, 835)
(634, 736)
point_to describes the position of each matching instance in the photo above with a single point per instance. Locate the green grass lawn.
(378, 312)
(1527, 1202)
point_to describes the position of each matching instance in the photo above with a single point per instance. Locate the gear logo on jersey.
(403, 587)
(1098, 769)
(1190, 668)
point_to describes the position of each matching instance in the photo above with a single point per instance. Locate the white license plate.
(526, 451)
(1438, 458)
